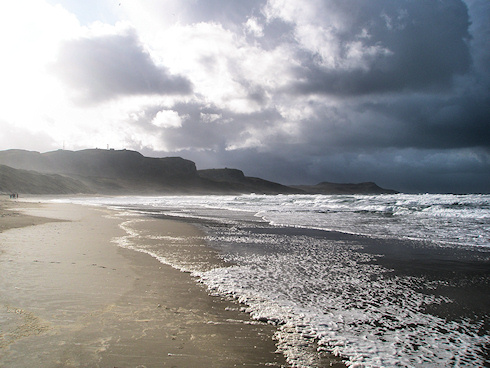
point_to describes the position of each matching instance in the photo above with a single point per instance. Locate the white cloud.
(222, 66)
(210, 118)
(254, 27)
(167, 119)
(205, 52)
(320, 27)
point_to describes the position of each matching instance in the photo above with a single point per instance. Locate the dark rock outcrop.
(236, 180)
(349, 188)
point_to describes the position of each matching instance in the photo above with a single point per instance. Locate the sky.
(298, 92)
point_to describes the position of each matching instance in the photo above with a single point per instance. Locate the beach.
(71, 297)
(223, 281)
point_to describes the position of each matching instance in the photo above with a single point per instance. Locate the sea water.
(298, 261)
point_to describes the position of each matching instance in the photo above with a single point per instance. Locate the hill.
(237, 181)
(110, 171)
(125, 171)
(129, 172)
(341, 188)
(24, 181)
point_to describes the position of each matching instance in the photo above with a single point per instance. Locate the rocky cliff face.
(237, 181)
(223, 175)
(340, 188)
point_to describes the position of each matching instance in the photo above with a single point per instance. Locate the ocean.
(379, 281)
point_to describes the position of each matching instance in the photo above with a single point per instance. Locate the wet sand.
(69, 297)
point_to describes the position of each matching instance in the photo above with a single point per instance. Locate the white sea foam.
(355, 309)
(324, 290)
(439, 218)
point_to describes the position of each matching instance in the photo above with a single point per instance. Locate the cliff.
(235, 180)
(348, 188)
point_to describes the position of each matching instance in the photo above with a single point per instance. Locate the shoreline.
(441, 288)
(71, 298)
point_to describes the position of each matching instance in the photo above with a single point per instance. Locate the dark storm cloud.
(410, 110)
(412, 121)
(105, 67)
(415, 147)
(409, 45)
(437, 122)
(480, 31)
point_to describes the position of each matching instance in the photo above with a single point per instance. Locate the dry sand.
(69, 297)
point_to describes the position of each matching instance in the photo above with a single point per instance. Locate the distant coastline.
(116, 172)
